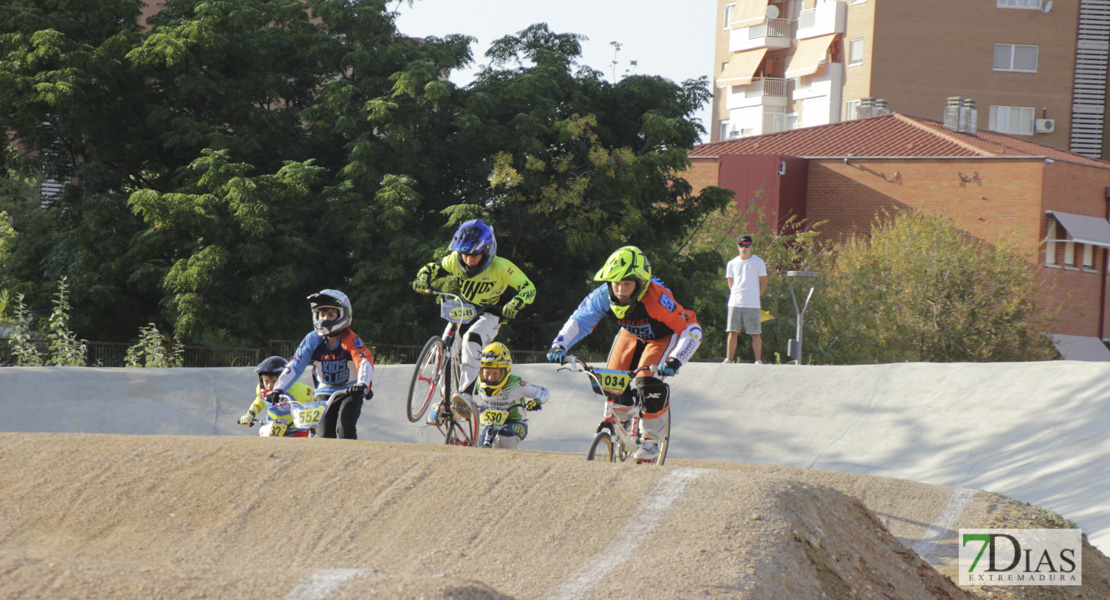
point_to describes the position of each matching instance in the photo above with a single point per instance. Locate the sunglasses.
(744, 244)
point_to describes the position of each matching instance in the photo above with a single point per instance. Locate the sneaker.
(727, 361)
(648, 450)
(460, 404)
(433, 416)
(758, 362)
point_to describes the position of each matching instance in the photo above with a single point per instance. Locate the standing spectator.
(747, 280)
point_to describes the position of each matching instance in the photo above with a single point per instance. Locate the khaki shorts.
(747, 317)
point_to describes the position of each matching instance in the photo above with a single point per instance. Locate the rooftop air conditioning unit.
(1044, 125)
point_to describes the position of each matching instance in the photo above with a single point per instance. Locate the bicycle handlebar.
(578, 365)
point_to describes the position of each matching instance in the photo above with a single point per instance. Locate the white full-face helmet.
(330, 299)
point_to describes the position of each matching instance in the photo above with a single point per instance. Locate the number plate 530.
(493, 416)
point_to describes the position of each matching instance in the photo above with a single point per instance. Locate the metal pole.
(796, 344)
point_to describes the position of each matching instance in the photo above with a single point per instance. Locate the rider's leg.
(476, 337)
(326, 428)
(511, 437)
(653, 421)
(625, 352)
(350, 410)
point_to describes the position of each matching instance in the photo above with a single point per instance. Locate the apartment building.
(1034, 68)
(1055, 205)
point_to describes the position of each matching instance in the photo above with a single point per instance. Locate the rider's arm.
(361, 355)
(661, 305)
(433, 269)
(259, 404)
(585, 318)
(301, 359)
(514, 277)
(537, 392)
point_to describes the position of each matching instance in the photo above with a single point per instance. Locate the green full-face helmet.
(626, 264)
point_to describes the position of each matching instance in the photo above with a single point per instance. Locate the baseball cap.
(744, 239)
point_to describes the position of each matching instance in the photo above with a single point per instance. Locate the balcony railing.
(771, 28)
(765, 86)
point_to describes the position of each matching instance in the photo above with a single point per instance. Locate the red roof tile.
(891, 135)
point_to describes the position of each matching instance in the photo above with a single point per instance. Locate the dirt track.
(111, 516)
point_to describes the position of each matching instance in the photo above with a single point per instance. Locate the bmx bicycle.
(616, 441)
(437, 374)
(492, 421)
(290, 418)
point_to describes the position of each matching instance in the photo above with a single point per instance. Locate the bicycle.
(492, 421)
(617, 440)
(438, 370)
(303, 417)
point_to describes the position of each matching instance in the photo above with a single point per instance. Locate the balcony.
(762, 91)
(773, 34)
(827, 18)
(755, 120)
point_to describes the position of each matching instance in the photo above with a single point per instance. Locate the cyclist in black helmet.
(268, 372)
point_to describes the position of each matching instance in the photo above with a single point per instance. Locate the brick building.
(1055, 203)
(1036, 68)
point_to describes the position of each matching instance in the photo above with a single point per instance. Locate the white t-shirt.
(745, 276)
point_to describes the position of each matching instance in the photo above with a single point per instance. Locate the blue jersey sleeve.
(585, 318)
(301, 359)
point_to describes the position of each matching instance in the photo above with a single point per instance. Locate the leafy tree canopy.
(237, 156)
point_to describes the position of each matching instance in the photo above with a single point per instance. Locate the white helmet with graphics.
(320, 319)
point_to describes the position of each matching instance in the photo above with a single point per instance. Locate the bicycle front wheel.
(601, 448)
(666, 441)
(423, 388)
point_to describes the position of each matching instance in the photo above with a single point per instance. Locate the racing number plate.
(273, 429)
(492, 416)
(614, 383)
(305, 418)
(457, 312)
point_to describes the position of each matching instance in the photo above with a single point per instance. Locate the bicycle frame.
(447, 372)
(612, 383)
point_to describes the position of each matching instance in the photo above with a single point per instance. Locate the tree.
(920, 289)
(260, 150)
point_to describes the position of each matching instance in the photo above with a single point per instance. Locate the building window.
(791, 121)
(851, 110)
(1088, 257)
(1050, 243)
(723, 133)
(1036, 4)
(855, 52)
(729, 10)
(774, 119)
(1017, 120)
(1069, 252)
(1015, 57)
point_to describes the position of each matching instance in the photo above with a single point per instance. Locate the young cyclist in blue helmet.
(340, 361)
(655, 330)
(488, 281)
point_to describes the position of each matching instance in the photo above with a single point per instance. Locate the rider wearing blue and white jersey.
(340, 362)
(656, 331)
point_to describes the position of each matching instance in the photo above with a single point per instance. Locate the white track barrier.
(1036, 432)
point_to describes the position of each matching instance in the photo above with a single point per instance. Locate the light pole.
(794, 346)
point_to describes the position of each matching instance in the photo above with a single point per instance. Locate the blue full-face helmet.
(474, 237)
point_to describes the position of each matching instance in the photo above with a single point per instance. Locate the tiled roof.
(889, 135)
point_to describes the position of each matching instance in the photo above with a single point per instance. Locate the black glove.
(533, 404)
(356, 391)
(274, 396)
(670, 368)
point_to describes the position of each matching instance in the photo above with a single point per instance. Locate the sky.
(670, 38)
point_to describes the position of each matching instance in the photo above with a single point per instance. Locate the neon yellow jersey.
(488, 287)
(300, 392)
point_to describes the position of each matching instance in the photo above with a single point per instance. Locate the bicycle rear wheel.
(459, 432)
(423, 387)
(601, 448)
